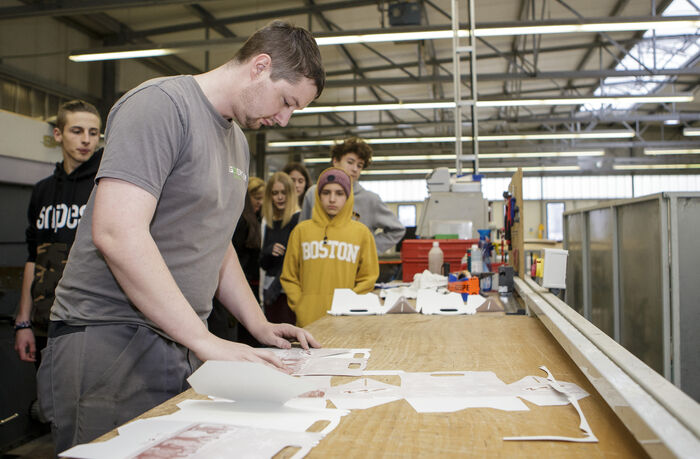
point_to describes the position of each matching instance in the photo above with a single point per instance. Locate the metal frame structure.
(676, 352)
(509, 67)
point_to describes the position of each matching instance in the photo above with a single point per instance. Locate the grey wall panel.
(14, 200)
(574, 266)
(601, 245)
(641, 307)
(689, 291)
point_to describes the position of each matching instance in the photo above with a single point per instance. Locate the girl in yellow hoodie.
(329, 251)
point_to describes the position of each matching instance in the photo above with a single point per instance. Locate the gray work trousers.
(101, 376)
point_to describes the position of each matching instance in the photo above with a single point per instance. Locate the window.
(675, 48)
(407, 214)
(555, 221)
(414, 190)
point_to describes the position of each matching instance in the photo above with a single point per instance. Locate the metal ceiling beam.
(210, 21)
(482, 56)
(74, 7)
(272, 14)
(327, 25)
(355, 3)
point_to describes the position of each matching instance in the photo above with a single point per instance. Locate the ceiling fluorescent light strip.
(484, 138)
(484, 156)
(121, 55)
(469, 170)
(387, 37)
(364, 108)
(686, 151)
(638, 167)
(691, 131)
(587, 28)
(85, 56)
(497, 103)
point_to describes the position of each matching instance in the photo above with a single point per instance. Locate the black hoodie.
(55, 208)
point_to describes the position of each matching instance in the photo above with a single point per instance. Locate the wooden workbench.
(510, 346)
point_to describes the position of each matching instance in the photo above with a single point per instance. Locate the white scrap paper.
(426, 279)
(583, 425)
(538, 390)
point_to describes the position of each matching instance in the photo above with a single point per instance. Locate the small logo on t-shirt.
(238, 173)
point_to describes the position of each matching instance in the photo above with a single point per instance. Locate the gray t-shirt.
(165, 137)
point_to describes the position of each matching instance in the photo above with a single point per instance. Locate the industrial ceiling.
(525, 78)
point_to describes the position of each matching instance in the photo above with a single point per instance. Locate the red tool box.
(414, 254)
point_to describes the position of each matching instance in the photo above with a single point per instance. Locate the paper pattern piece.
(316, 362)
(571, 397)
(247, 382)
(428, 289)
(155, 438)
(362, 394)
(445, 303)
(256, 415)
(348, 303)
(446, 392)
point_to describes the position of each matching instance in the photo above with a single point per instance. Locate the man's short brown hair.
(293, 51)
(353, 145)
(73, 106)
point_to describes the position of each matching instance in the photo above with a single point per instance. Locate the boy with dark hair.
(329, 251)
(55, 208)
(354, 155)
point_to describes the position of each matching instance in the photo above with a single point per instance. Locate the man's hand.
(279, 335)
(25, 345)
(220, 349)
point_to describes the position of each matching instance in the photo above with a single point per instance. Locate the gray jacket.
(374, 214)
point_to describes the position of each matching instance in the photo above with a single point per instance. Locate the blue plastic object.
(484, 233)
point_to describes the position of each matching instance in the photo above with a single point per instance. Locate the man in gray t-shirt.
(129, 321)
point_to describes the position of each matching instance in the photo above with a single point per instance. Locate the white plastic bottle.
(435, 258)
(476, 259)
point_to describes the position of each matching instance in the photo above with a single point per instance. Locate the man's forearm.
(121, 232)
(24, 311)
(142, 273)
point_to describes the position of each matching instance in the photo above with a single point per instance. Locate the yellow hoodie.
(326, 253)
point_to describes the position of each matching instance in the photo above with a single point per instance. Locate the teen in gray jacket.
(353, 156)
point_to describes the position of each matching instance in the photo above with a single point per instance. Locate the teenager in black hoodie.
(56, 205)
